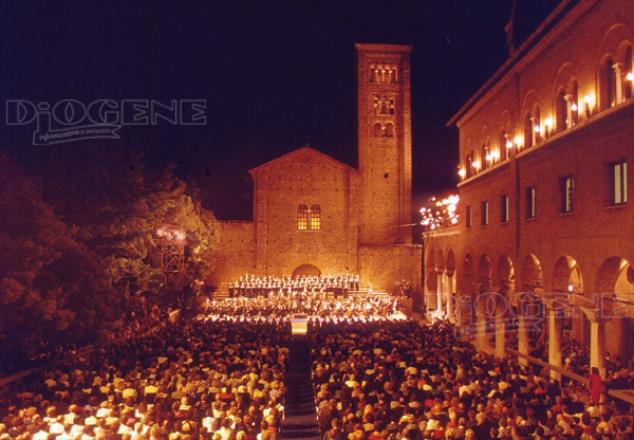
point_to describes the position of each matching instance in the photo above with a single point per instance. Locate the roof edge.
(296, 151)
(367, 47)
(545, 28)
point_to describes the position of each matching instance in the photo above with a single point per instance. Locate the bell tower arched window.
(389, 130)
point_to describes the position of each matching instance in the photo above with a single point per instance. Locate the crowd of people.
(263, 285)
(138, 315)
(376, 376)
(203, 380)
(401, 380)
(311, 304)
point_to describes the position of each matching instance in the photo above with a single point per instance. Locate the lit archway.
(532, 274)
(484, 273)
(616, 276)
(306, 270)
(567, 278)
(531, 305)
(506, 275)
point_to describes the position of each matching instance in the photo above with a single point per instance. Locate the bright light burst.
(440, 213)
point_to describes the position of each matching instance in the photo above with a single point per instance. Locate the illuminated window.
(484, 213)
(505, 209)
(618, 184)
(315, 218)
(468, 216)
(567, 193)
(531, 202)
(302, 218)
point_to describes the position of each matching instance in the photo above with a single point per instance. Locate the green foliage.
(47, 278)
(73, 255)
(116, 203)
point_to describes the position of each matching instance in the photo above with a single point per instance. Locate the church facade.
(314, 214)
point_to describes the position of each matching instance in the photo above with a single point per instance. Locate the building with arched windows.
(310, 210)
(546, 235)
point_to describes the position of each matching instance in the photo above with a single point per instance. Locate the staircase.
(301, 417)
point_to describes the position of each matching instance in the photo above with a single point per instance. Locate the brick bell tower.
(385, 143)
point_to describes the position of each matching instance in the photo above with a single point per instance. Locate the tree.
(117, 203)
(51, 286)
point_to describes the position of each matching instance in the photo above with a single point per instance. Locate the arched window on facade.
(528, 130)
(389, 130)
(378, 129)
(315, 218)
(607, 84)
(302, 218)
(561, 110)
(628, 74)
(372, 74)
(391, 109)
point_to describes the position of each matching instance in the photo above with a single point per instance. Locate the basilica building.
(313, 214)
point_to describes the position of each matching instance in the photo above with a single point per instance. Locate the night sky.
(275, 74)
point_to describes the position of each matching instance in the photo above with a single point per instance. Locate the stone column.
(618, 76)
(554, 337)
(439, 291)
(477, 319)
(450, 297)
(522, 330)
(597, 339)
(569, 116)
(500, 329)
